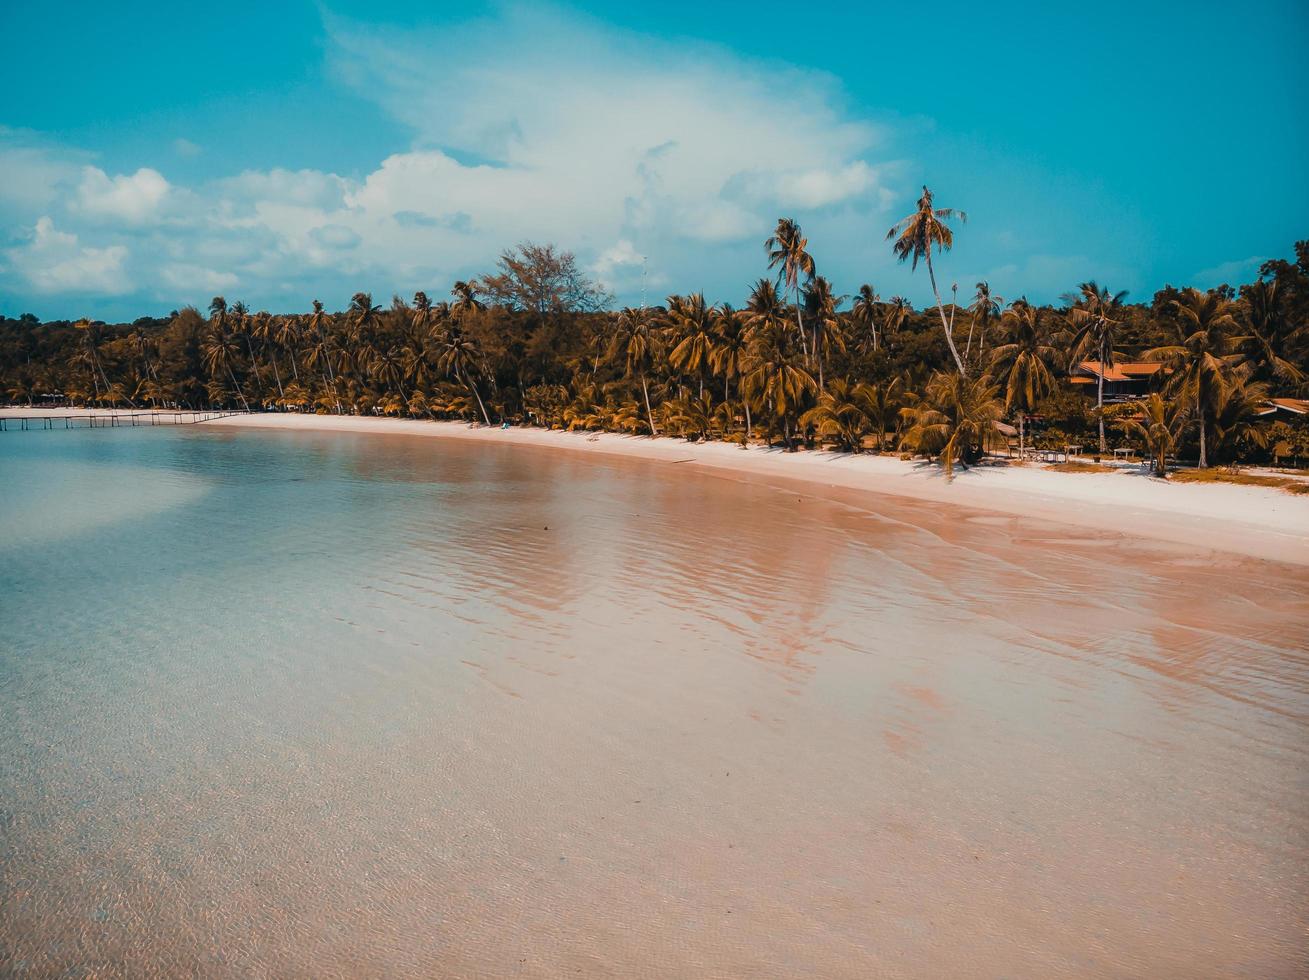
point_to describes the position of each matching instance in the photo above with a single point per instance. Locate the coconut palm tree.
(1204, 355)
(882, 403)
(1159, 428)
(690, 325)
(92, 332)
(953, 418)
(985, 308)
(897, 312)
(776, 378)
(731, 344)
(915, 236)
(219, 351)
(1096, 317)
(1272, 338)
(466, 302)
(788, 253)
(459, 358)
(363, 316)
(263, 327)
(634, 343)
(1023, 364)
(321, 351)
(840, 416)
(867, 304)
(821, 305)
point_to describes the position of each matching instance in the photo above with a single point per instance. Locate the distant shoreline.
(1257, 522)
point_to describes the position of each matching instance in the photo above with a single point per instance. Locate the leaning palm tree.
(788, 253)
(915, 237)
(1205, 353)
(953, 419)
(1159, 427)
(459, 358)
(218, 352)
(1095, 317)
(867, 304)
(1023, 364)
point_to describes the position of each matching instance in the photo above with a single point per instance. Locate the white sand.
(1260, 522)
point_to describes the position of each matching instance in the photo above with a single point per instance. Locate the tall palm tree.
(363, 316)
(690, 325)
(1096, 317)
(867, 304)
(219, 351)
(984, 309)
(822, 305)
(321, 351)
(776, 378)
(634, 343)
(264, 328)
(731, 344)
(1272, 337)
(1023, 364)
(788, 253)
(915, 237)
(459, 358)
(92, 332)
(1204, 355)
(287, 336)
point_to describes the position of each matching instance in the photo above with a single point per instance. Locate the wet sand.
(554, 715)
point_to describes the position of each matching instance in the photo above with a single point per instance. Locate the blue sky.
(280, 152)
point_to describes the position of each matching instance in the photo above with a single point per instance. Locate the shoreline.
(1258, 522)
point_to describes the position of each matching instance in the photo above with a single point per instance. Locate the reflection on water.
(304, 703)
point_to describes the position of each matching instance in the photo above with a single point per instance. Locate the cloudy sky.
(281, 152)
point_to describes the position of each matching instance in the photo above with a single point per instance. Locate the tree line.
(535, 341)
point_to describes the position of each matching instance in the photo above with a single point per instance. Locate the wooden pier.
(108, 420)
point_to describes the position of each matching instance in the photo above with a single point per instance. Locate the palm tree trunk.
(940, 308)
(749, 430)
(645, 392)
(1199, 414)
(478, 395)
(237, 388)
(1099, 403)
(278, 375)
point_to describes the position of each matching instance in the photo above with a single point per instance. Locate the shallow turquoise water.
(298, 703)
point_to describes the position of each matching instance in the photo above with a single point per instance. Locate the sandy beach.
(1258, 522)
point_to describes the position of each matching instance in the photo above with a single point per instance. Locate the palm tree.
(690, 325)
(321, 352)
(839, 415)
(897, 311)
(731, 343)
(882, 403)
(915, 237)
(822, 306)
(866, 306)
(774, 378)
(363, 316)
(1204, 354)
(953, 419)
(287, 336)
(1159, 427)
(634, 343)
(264, 327)
(459, 358)
(219, 351)
(92, 331)
(466, 301)
(787, 252)
(1272, 338)
(1023, 363)
(984, 309)
(1095, 317)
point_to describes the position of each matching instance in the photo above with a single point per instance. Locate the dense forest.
(536, 342)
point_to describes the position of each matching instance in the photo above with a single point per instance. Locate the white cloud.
(192, 278)
(133, 199)
(1230, 273)
(183, 147)
(56, 262)
(531, 126)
